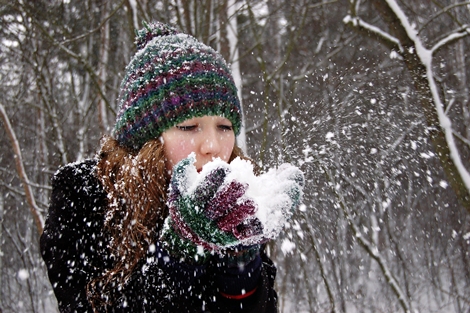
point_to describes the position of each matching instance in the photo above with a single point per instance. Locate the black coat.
(74, 246)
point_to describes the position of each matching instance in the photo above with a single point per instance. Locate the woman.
(125, 233)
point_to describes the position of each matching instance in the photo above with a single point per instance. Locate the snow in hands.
(225, 205)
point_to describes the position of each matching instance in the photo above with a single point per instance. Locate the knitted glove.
(206, 209)
(226, 205)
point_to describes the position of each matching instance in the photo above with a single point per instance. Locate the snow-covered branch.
(425, 55)
(459, 34)
(372, 30)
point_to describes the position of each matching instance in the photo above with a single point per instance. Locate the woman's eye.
(226, 127)
(186, 127)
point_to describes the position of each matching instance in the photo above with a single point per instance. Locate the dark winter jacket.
(74, 247)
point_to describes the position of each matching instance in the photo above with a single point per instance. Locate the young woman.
(126, 232)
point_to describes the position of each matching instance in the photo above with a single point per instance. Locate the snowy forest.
(370, 98)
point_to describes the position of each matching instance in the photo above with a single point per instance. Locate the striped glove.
(219, 208)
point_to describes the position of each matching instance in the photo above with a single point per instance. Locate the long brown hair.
(136, 183)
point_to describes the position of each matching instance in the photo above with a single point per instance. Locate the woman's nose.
(210, 143)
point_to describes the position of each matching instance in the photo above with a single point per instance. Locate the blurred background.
(370, 98)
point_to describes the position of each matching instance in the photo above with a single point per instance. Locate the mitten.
(227, 205)
(206, 209)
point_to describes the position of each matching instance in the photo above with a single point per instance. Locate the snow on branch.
(463, 32)
(35, 211)
(358, 22)
(425, 55)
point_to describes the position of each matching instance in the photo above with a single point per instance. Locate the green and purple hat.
(172, 77)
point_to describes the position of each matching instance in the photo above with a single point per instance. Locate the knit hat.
(172, 77)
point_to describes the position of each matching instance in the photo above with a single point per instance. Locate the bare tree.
(369, 97)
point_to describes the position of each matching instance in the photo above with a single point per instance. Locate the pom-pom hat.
(172, 77)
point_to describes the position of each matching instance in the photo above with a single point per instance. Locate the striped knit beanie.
(172, 77)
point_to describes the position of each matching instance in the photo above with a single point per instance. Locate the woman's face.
(208, 137)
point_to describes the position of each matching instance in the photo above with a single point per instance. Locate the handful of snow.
(262, 204)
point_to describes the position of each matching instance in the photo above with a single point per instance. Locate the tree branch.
(21, 170)
(372, 250)
(94, 76)
(372, 31)
(97, 28)
(444, 10)
(458, 34)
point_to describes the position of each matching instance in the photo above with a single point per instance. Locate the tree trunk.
(418, 73)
